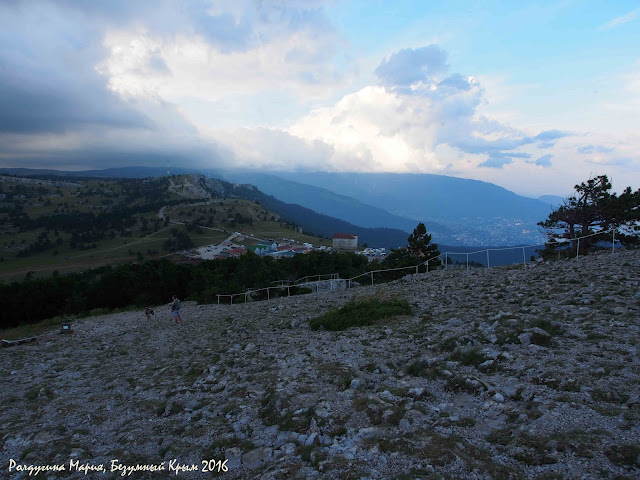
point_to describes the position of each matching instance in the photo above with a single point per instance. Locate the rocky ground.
(500, 373)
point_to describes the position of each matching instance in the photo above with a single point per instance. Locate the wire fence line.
(280, 289)
(327, 276)
(331, 278)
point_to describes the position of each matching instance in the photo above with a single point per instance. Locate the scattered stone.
(311, 439)
(486, 365)
(369, 401)
(510, 391)
(256, 457)
(525, 338)
(234, 458)
(355, 384)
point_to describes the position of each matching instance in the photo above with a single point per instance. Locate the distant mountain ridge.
(318, 224)
(309, 220)
(456, 211)
(478, 213)
(553, 200)
(328, 203)
(412, 194)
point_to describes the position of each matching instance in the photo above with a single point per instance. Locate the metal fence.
(389, 274)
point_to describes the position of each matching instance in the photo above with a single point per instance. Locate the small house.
(345, 241)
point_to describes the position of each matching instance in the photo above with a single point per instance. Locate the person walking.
(148, 312)
(175, 310)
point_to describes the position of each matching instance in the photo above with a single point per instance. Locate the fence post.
(427, 262)
(613, 243)
(416, 269)
(231, 296)
(218, 299)
(371, 277)
(467, 262)
(446, 259)
(487, 258)
(578, 248)
(524, 258)
(288, 291)
(268, 297)
(245, 297)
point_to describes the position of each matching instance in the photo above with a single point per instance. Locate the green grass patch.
(358, 313)
(611, 396)
(421, 368)
(624, 455)
(469, 357)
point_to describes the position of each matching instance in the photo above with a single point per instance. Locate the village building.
(236, 252)
(345, 241)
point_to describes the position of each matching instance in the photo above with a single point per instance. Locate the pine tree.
(591, 209)
(420, 246)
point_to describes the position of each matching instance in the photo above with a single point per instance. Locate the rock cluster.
(499, 373)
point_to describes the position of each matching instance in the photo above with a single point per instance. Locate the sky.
(532, 96)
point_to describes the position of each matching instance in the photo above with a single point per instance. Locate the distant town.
(238, 244)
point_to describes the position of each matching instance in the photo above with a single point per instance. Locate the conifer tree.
(419, 244)
(591, 209)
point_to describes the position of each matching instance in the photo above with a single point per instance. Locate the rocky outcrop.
(500, 373)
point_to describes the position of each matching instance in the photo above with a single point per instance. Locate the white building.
(345, 241)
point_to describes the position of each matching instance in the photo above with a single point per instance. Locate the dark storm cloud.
(409, 65)
(50, 51)
(108, 154)
(57, 109)
(56, 106)
(52, 105)
(48, 81)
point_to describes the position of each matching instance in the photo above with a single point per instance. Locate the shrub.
(358, 313)
(468, 357)
(624, 454)
(421, 368)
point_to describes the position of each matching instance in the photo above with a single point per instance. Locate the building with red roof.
(236, 252)
(345, 241)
